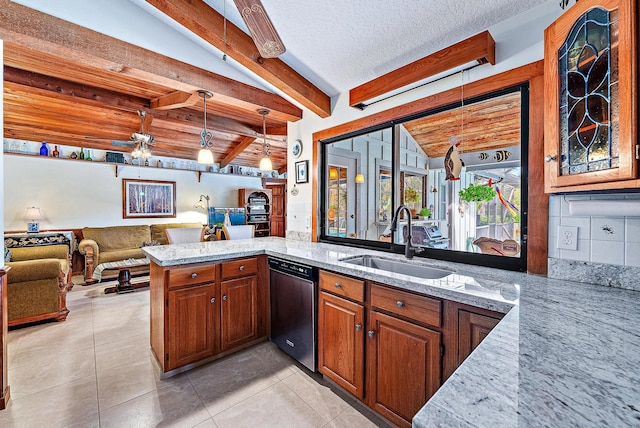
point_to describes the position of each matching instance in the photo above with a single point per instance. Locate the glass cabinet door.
(590, 129)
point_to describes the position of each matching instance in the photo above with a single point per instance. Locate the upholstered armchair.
(37, 283)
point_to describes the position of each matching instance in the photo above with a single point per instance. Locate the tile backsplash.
(608, 245)
(606, 239)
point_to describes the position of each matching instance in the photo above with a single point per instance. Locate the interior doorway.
(278, 216)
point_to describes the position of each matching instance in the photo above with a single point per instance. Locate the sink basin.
(406, 268)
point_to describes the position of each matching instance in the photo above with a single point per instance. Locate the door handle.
(337, 285)
(224, 297)
(371, 333)
(400, 303)
(194, 275)
(242, 267)
(213, 300)
(358, 327)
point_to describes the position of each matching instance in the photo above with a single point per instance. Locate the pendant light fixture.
(205, 155)
(265, 162)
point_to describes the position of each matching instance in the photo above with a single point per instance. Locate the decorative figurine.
(452, 163)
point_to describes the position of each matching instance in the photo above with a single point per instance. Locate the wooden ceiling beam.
(208, 24)
(175, 100)
(66, 43)
(240, 147)
(480, 48)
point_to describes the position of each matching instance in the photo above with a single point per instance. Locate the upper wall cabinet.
(590, 89)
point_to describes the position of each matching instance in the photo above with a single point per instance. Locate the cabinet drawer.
(242, 267)
(190, 275)
(420, 308)
(342, 285)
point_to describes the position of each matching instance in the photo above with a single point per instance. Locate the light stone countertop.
(567, 354)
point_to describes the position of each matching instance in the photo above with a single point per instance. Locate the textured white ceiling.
(335, 44)
(341, 44)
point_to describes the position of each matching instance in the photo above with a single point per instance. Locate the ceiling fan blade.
(123, 143)
(261, 28)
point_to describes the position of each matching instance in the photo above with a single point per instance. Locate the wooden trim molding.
(538, 201)
(4, 328)
(480, 48)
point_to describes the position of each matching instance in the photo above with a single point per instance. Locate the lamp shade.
(265, 164)
(359, 178)
(205, 156)
(33, 213)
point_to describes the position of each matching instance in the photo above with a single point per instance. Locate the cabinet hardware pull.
(358, 327)
(337, 285)
(371, 333)
(242, 267)
(224, 297)
(194, 275)
(400, 304)
(549, 158)
(213, 300)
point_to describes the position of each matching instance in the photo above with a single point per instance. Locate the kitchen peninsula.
(565, 354)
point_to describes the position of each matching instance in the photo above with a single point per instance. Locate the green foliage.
(477, 193)
(425, 212)
(411, 195)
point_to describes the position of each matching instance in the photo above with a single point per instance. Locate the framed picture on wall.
(302, 172)
(148, 198)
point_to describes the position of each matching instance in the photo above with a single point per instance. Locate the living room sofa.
(37, 284)
(120, 244)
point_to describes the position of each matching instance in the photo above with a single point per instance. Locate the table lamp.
(33, 214)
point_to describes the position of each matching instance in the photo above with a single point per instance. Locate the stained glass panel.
(587, 95)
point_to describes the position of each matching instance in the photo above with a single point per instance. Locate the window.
(404, 162)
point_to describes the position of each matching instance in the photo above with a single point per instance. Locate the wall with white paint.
(75, 194)
(519, 41)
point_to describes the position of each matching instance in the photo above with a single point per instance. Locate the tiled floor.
(95, 369)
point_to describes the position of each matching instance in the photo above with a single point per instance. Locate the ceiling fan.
(261, 28)
(139, 140)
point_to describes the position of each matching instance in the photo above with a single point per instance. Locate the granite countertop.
(566, 353)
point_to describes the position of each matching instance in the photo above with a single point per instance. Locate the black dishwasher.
(293, 309)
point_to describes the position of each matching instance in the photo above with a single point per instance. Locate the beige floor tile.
(276, 360)
(47, 371)
(120, 384)
(276, 406)
(122, 352)
(118, 330)
(209, 423)
(317, 395)
(176, 405)
(224, 383)
(59, 406)
(358, 416)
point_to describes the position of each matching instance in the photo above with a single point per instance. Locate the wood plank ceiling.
(68, 85)
(487, 125)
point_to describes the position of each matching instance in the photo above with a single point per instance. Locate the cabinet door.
(239, 311)
(403, 367)
(191, 328)
(341, 342)
(590, 91)
(472, 329)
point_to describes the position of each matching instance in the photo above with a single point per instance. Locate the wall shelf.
(119, 166)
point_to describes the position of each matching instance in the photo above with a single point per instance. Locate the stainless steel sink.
(389, 265)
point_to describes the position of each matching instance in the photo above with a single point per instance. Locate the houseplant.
(477, 193)
(425, 213)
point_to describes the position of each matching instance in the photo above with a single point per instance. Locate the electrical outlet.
(568, 238)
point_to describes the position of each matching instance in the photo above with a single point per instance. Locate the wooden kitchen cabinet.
(403, 366)
(202, 311)
(472, 329)
(239, 311)
(191, 327)
(591, 98)
(341, 342)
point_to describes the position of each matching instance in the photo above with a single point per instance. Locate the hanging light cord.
(462, 125)
(205, 134)
(224, 15)
(266, 147)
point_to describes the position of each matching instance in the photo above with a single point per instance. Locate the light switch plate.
(568, 238)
